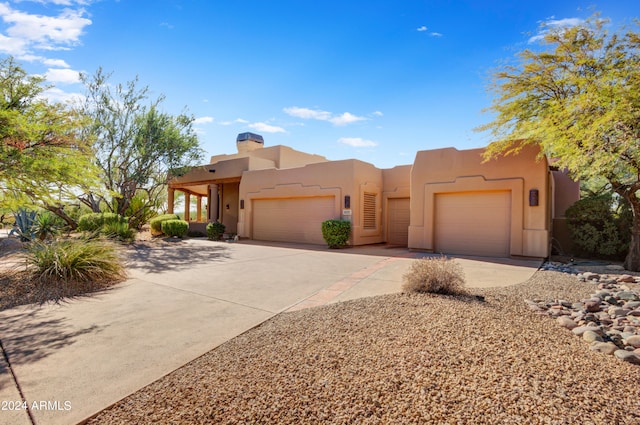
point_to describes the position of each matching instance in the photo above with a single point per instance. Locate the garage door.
(473, 223)
(292, 219)
(398, 223)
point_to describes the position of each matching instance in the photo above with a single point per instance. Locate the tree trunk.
(60, 213)
(632, 262)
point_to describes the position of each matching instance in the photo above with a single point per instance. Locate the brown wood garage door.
(292, 219)
(398, 223)
(473, 223)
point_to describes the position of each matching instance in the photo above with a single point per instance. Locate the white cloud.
(307, 113)
(203, 120)
(378, 113)
(345, 119)
(236, 121)
(27, 31)
(58, 63)
(266, 128)
(554, 24)
(435, 34)
(64, 76)
(422, 28)
(320, 115)
(357, 142)
(55, 94)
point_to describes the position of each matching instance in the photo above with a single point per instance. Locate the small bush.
(437, 275)
(47, 225)
(156, 222)
(599, 230)
(94, 222)
(336, 233)
(120, 231)
(75, 260)
(215, 231)
(177, 228)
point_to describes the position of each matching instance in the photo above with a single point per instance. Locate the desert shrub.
(24, 224)
(177, 228)
(336, 233)
(600, 226)
(94, 222)
(436, 275)
(75, 260)
(156, 222)
(118, 230)
(47, 225)
(215, 230)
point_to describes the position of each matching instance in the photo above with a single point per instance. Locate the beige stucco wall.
(452, 171)
(332, 178)
(396, 184)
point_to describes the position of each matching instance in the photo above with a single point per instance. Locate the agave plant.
(24, 224)
(46, 225)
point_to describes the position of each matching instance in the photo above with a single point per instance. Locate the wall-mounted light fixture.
(227, 206)
(347, 201)
(241, 204)
(533, 198)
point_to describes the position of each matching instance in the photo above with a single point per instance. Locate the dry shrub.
(436, 275)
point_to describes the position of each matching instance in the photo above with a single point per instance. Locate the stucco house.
(447, 201)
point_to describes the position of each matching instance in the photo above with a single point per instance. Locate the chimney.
(247, 142)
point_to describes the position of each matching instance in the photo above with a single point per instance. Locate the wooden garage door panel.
(473, 223)
(292, 219)
(398, 226)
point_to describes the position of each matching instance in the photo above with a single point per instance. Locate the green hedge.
(156, 222)
(600, 226)
(336, 233)
(95, 222)
(215, 231)
(177, 228)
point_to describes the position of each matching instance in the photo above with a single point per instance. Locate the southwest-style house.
(447, 201)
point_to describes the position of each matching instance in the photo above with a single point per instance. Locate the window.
(369, 211)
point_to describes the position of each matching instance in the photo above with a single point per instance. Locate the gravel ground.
(404, 358)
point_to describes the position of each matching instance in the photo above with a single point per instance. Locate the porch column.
(170, 200)
(212, 210)
(187, 206)
(199, 209)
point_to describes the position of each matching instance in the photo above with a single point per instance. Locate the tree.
(579, 100)
(136, 146)
(43, 160)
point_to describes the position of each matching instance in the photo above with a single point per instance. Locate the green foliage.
(597, 229)
(94, 222)
(42, 158)
(47, 225)
(118, 230)
(215, 230)
(25, 220)
(578, 98)
(75, 260)
(436, 275)
(135, 144)
(156, 222)
(177, 228)
(141, 209)
(336, 233)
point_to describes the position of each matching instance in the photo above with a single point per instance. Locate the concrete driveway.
(182, 299)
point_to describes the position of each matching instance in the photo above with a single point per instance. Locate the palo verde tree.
(578, 98)
(136, 145)
(43, 160)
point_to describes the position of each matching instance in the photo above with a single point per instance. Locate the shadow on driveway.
(33, 335)
(173, 256)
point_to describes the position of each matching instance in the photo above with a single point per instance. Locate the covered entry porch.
(215, 200)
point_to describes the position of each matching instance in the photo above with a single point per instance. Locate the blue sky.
(374, 80)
